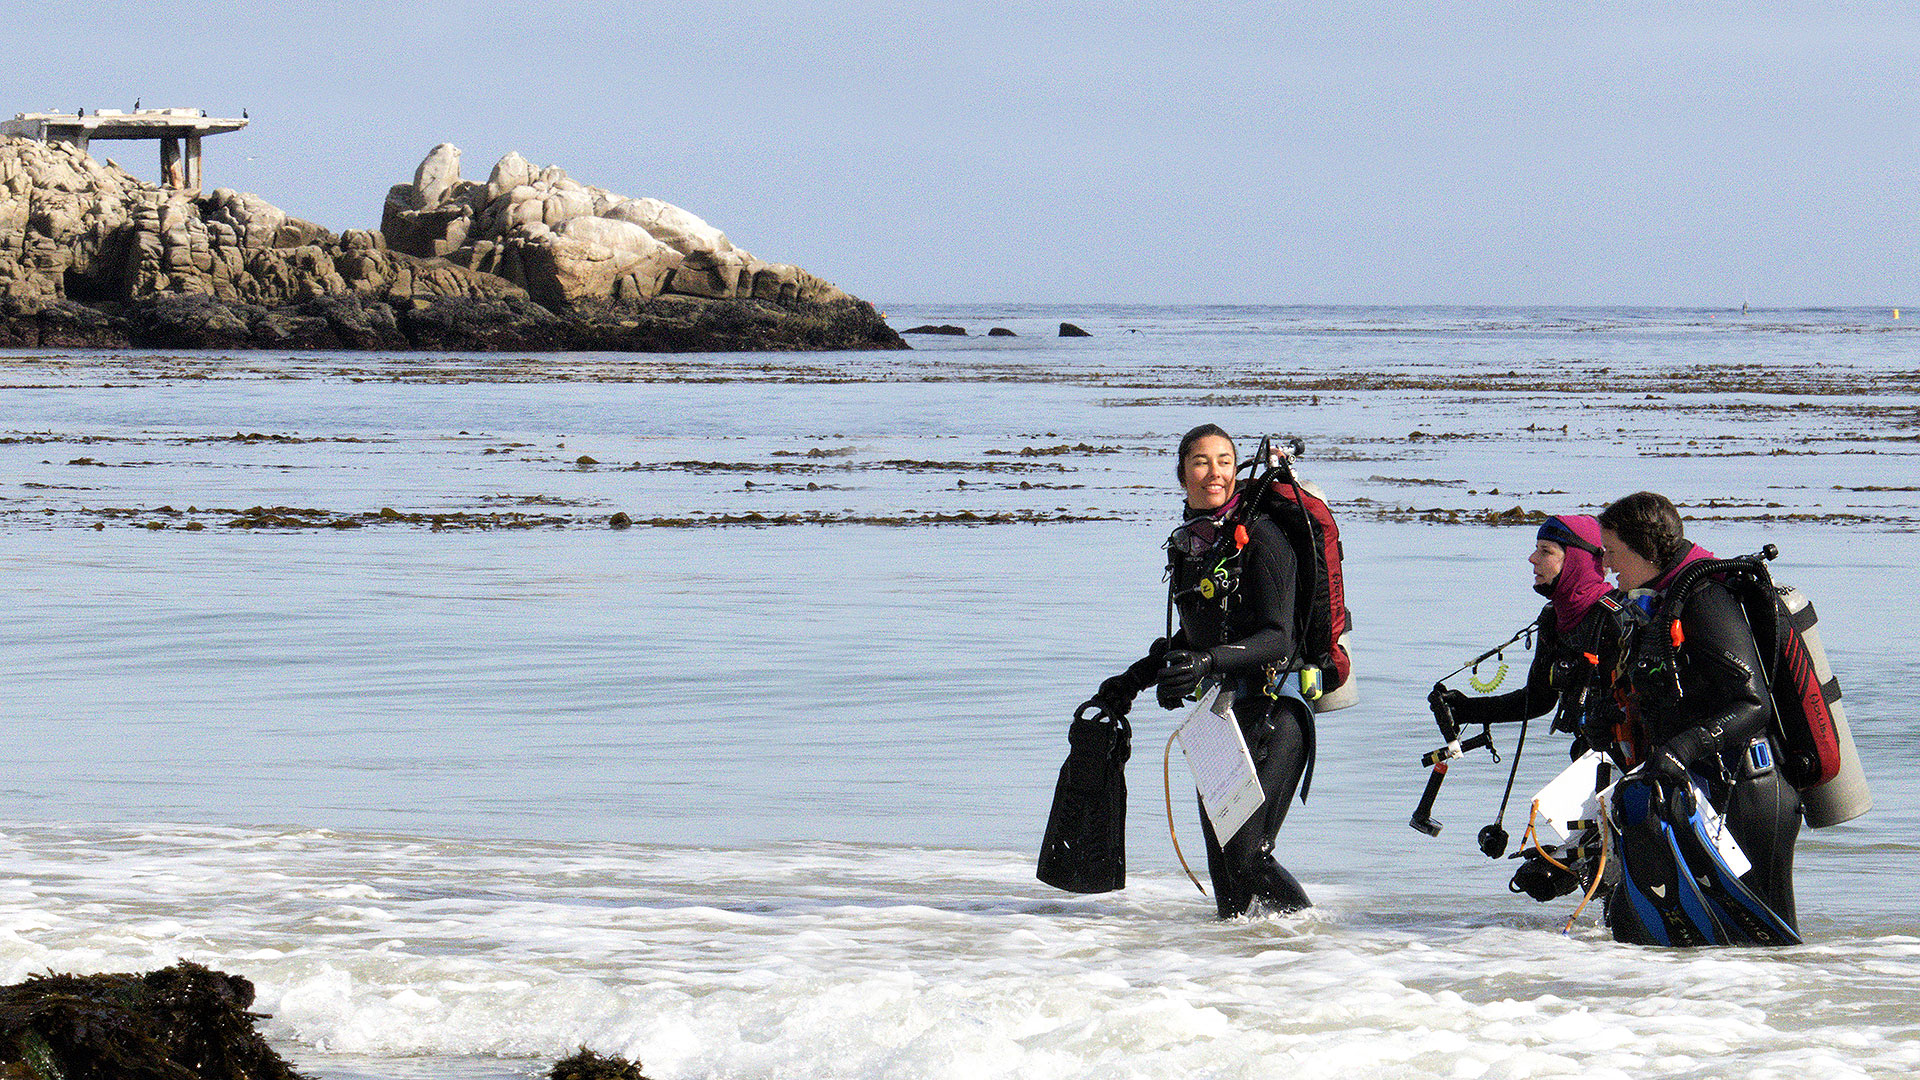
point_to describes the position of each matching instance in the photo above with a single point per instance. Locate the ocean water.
(463, 778)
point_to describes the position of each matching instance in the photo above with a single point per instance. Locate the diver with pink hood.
(1576, 638)
(1572, 630)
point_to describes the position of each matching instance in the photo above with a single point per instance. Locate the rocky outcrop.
(569, 244)
(90, 255)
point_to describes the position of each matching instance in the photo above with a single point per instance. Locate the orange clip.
(1240, 536)
(1678, 635)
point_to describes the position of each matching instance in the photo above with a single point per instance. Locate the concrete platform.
(170, 126)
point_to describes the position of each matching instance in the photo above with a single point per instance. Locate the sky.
(1338, 152)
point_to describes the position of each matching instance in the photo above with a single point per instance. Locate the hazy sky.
(1340, 152)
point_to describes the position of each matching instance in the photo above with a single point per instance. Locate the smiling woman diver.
(1237, 607)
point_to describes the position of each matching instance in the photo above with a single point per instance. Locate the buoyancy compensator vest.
(1321, 622)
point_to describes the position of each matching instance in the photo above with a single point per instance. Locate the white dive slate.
(1222, 767)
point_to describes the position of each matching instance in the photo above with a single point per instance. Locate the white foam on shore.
(865, 962)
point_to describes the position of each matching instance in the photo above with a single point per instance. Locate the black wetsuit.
(1722, 698)
(1252, 631)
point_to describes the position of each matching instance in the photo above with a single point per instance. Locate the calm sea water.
(745, 800)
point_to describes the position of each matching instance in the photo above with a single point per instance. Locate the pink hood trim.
(1582, 581)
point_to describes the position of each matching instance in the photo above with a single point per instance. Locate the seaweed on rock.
(587, 1065)
(184, 1022)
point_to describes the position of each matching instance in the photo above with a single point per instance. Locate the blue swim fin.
(1744, 918)
(1657, 902)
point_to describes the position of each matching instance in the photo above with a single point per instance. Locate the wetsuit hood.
(1694, 554)
(1582, 580)
(1203, 526)
(1192, 513)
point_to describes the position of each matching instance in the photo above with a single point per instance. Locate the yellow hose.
(1606, 834)
(1166, 779)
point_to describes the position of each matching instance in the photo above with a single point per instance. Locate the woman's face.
(1547, 559)
(1630, 568)
(1207, 472)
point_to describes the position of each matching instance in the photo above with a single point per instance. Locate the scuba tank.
(1843, 796)
(1817, 752)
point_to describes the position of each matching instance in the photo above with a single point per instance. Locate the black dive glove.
(1183, 672)
(1449, 703)
(1115, 696)
(1671, 758)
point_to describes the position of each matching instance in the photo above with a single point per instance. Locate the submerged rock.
(1067, 329)
(944, 328)
(180, 1021)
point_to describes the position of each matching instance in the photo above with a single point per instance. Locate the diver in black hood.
(1236, 605)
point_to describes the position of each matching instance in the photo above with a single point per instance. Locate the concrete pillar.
(171, 173)
(193, 162)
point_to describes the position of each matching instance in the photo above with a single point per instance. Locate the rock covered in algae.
(587, 1065)
(184, 1022)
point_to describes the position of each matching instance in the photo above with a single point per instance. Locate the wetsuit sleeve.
(1118, 692)
(1269, 588)
(1530, 700)
(1723, 674)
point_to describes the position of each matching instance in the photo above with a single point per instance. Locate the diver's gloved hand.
(1182, 672)
(1542, 880)
(1671, 758)
(1099, 708)
(1116, 695)
(1445, 701)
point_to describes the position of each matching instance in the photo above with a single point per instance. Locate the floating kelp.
(905, 519)
(890, 465)
(1058, 451)
(1441, 515)
(180, 1022)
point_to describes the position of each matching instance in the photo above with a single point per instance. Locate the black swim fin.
(1657, 902)
(1744, 918)
(1085, 847)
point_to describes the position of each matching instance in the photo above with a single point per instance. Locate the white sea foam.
(858, 961)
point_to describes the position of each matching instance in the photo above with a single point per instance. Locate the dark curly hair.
(1648, 523)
